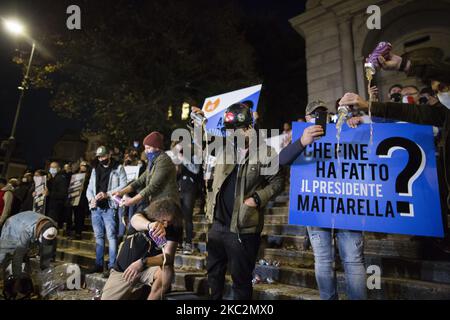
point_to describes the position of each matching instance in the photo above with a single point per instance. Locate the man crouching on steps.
(140, 261)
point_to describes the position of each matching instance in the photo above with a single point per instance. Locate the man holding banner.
(350, 242)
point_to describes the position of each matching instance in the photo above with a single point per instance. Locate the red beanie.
(155, 140)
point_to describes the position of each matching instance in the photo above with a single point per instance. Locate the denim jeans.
(351, 247)
(105, 219)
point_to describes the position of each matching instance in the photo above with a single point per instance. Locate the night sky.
(39, 127)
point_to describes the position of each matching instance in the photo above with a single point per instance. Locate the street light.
(16, 28)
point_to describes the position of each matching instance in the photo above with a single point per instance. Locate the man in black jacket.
(57, 186)
(426, 65)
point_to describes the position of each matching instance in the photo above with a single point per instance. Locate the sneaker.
(187, 248)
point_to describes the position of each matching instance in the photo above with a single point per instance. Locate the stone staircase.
(406, 272)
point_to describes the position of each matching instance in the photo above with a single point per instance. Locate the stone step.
(82, 294)
(199, 218)
(425, 270)
(275, 219)
(197, 283)
(193, 261)
(84, 245)
(84, 255)
(81, 257)
(392, 247)
(88, 235)
(201, 227)
(279, 227)
(283, 242)
(276, 291)
(277, 211)
(284, 229)
(388, 245)
(261, 291)
(391, 288)
(293, 258)
(189, 281)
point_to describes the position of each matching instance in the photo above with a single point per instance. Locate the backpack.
(132, 248)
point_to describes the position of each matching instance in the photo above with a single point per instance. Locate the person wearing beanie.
(160, 178)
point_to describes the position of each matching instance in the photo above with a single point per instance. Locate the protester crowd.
(158, 204)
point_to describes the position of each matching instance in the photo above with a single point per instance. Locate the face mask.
(396, 97)
(135, 144)
(53, 171)
(423, 100)
(444, 98)
(152, 155)
(408, 100)
(104, 162)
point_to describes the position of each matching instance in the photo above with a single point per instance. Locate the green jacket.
(246, 220)
(160, 181)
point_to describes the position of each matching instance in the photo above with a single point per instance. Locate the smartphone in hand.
(321, 120)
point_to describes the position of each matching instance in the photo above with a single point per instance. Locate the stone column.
(348, 65)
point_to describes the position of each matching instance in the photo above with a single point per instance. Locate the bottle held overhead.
(372, 64)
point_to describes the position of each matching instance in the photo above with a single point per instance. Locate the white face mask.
(444, 98)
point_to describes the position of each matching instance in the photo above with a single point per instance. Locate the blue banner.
(386, 185)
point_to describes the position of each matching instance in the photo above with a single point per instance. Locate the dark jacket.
(58, 187)
(291, 152)
(438, 116)
(27, 204)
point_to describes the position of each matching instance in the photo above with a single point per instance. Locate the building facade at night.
(338, 41)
